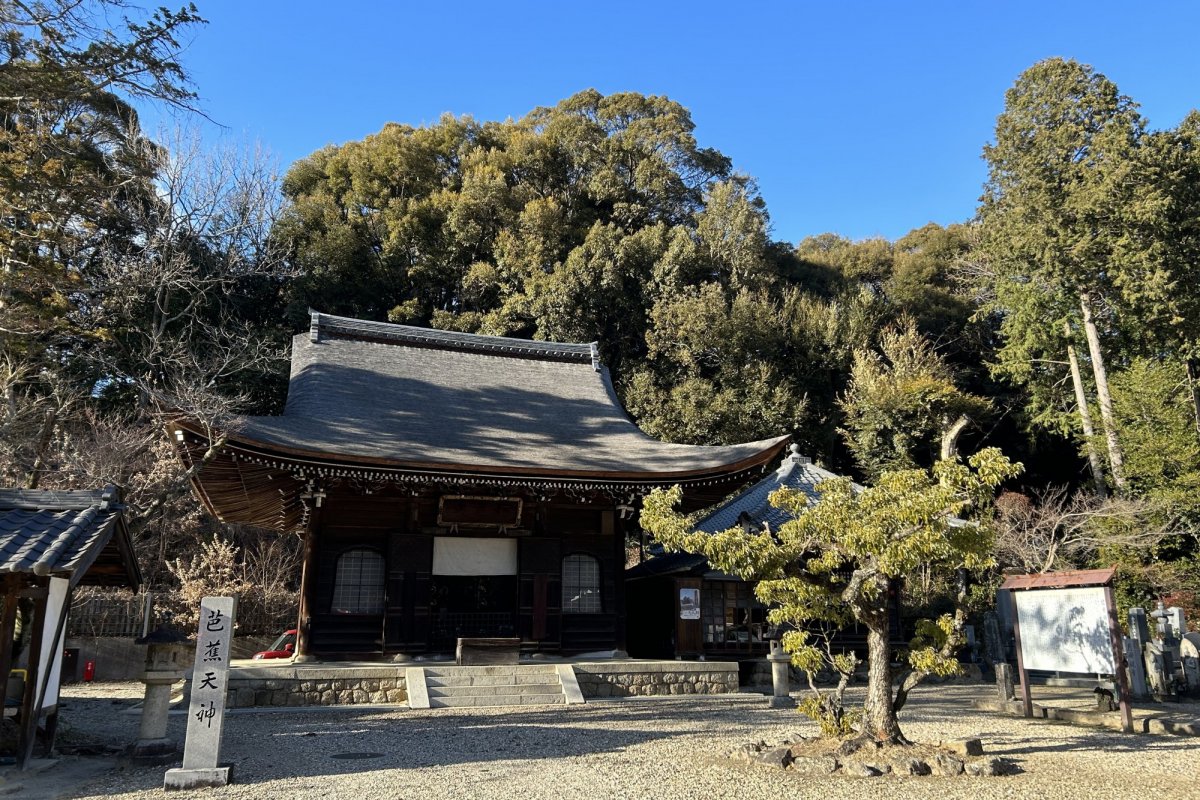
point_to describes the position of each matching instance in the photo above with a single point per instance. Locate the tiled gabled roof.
(751, 505)
(399, 396)
(64, 534)
(796, 472)
(327, 326)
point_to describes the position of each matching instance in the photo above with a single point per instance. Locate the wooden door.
(688, 625)
(539, 609)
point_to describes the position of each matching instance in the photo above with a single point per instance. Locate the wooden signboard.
(1067, 622)
(688, 627)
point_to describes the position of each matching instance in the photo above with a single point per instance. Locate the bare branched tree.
(1054, 528)
(178, 317)
(181, 303)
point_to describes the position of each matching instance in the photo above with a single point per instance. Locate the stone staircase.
(476, 687)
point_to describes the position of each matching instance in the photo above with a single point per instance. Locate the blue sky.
(865, 119)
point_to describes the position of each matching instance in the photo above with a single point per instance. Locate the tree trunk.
(879, 714)
(950, 437)
(34, 476)
(1085, 416)
(1193, 375)
(1116, 462)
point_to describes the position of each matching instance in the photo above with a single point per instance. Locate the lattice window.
(581, 585)
(358, 585)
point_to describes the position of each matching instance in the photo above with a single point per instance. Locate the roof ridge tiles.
(388, 332)
(50, 499)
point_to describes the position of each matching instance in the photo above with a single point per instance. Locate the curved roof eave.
(762, 452)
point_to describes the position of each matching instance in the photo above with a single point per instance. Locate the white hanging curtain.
(454, 555)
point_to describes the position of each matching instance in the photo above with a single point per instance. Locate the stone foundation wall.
(119, 659)
(640, 680)
(301, 686)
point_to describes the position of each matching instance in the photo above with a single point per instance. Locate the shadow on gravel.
(306, 747)
(1107, 742)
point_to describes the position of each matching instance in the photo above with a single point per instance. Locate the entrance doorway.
(474, 589)
(475, 605)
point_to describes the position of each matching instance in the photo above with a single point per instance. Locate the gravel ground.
(646, 748)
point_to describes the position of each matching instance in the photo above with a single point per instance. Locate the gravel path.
(649, 748)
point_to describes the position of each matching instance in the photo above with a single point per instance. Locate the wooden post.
(618, 601)
(1119, 660)
(308, 581)
(8, 626)
(1026, 696)
(56, 645)
(29, 711)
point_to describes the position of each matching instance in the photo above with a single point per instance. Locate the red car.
(283, 647)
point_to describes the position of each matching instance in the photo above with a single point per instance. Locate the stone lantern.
(168, 654)
(781, 688)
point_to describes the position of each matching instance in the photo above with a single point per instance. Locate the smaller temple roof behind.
(79, 535)
(753, 505)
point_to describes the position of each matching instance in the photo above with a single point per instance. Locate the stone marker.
(206, 713)
(1136, 668)
(1004, 684)
(993, 645)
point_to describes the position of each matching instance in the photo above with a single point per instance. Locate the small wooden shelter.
(452, 485)
(51, 542)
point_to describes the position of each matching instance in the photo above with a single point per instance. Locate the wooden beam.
(8, 625)
(1119, 661)
(1026, 692)
(1060, 580)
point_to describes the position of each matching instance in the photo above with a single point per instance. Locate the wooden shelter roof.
(376, 401)
(79, 535)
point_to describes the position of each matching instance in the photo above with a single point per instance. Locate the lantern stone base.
(153, 751)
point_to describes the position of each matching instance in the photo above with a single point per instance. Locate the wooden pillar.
(1026, 695)
(308, 587)
(54, 651)
(29, 711)
(1119, 660)
(8, 626)
(618, 527)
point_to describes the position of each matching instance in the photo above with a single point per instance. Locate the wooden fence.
(122, 614)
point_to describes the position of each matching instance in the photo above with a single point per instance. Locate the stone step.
(476, 701)
(494, 691)
(490, 680)
(508, 669)
(492, 686)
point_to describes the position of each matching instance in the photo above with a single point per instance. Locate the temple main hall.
(452, 485)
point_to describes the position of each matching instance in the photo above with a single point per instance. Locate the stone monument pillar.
(993, 645)
(206, 710)
(1004, 684)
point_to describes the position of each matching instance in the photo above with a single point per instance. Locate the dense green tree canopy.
(902, 403)
(137, 275)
